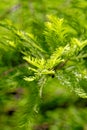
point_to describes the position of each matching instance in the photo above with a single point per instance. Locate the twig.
(12, 69)
(61, 65)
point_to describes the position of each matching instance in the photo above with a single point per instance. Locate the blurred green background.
(59, 108)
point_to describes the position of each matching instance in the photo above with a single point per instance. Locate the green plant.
(31, 61)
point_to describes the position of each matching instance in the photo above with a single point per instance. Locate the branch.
(62, 64)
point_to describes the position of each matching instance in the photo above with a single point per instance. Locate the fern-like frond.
(39, 63)
(55, 58)
(55, 32)
(73, 79)
(27, 40)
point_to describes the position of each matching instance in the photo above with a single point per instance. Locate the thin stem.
(12, 69)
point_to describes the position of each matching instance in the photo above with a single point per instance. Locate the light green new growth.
(67, 55)
(64, 59)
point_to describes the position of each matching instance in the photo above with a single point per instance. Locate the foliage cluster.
(43, 64)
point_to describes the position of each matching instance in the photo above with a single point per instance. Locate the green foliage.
(43, 52)
(64, 60)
